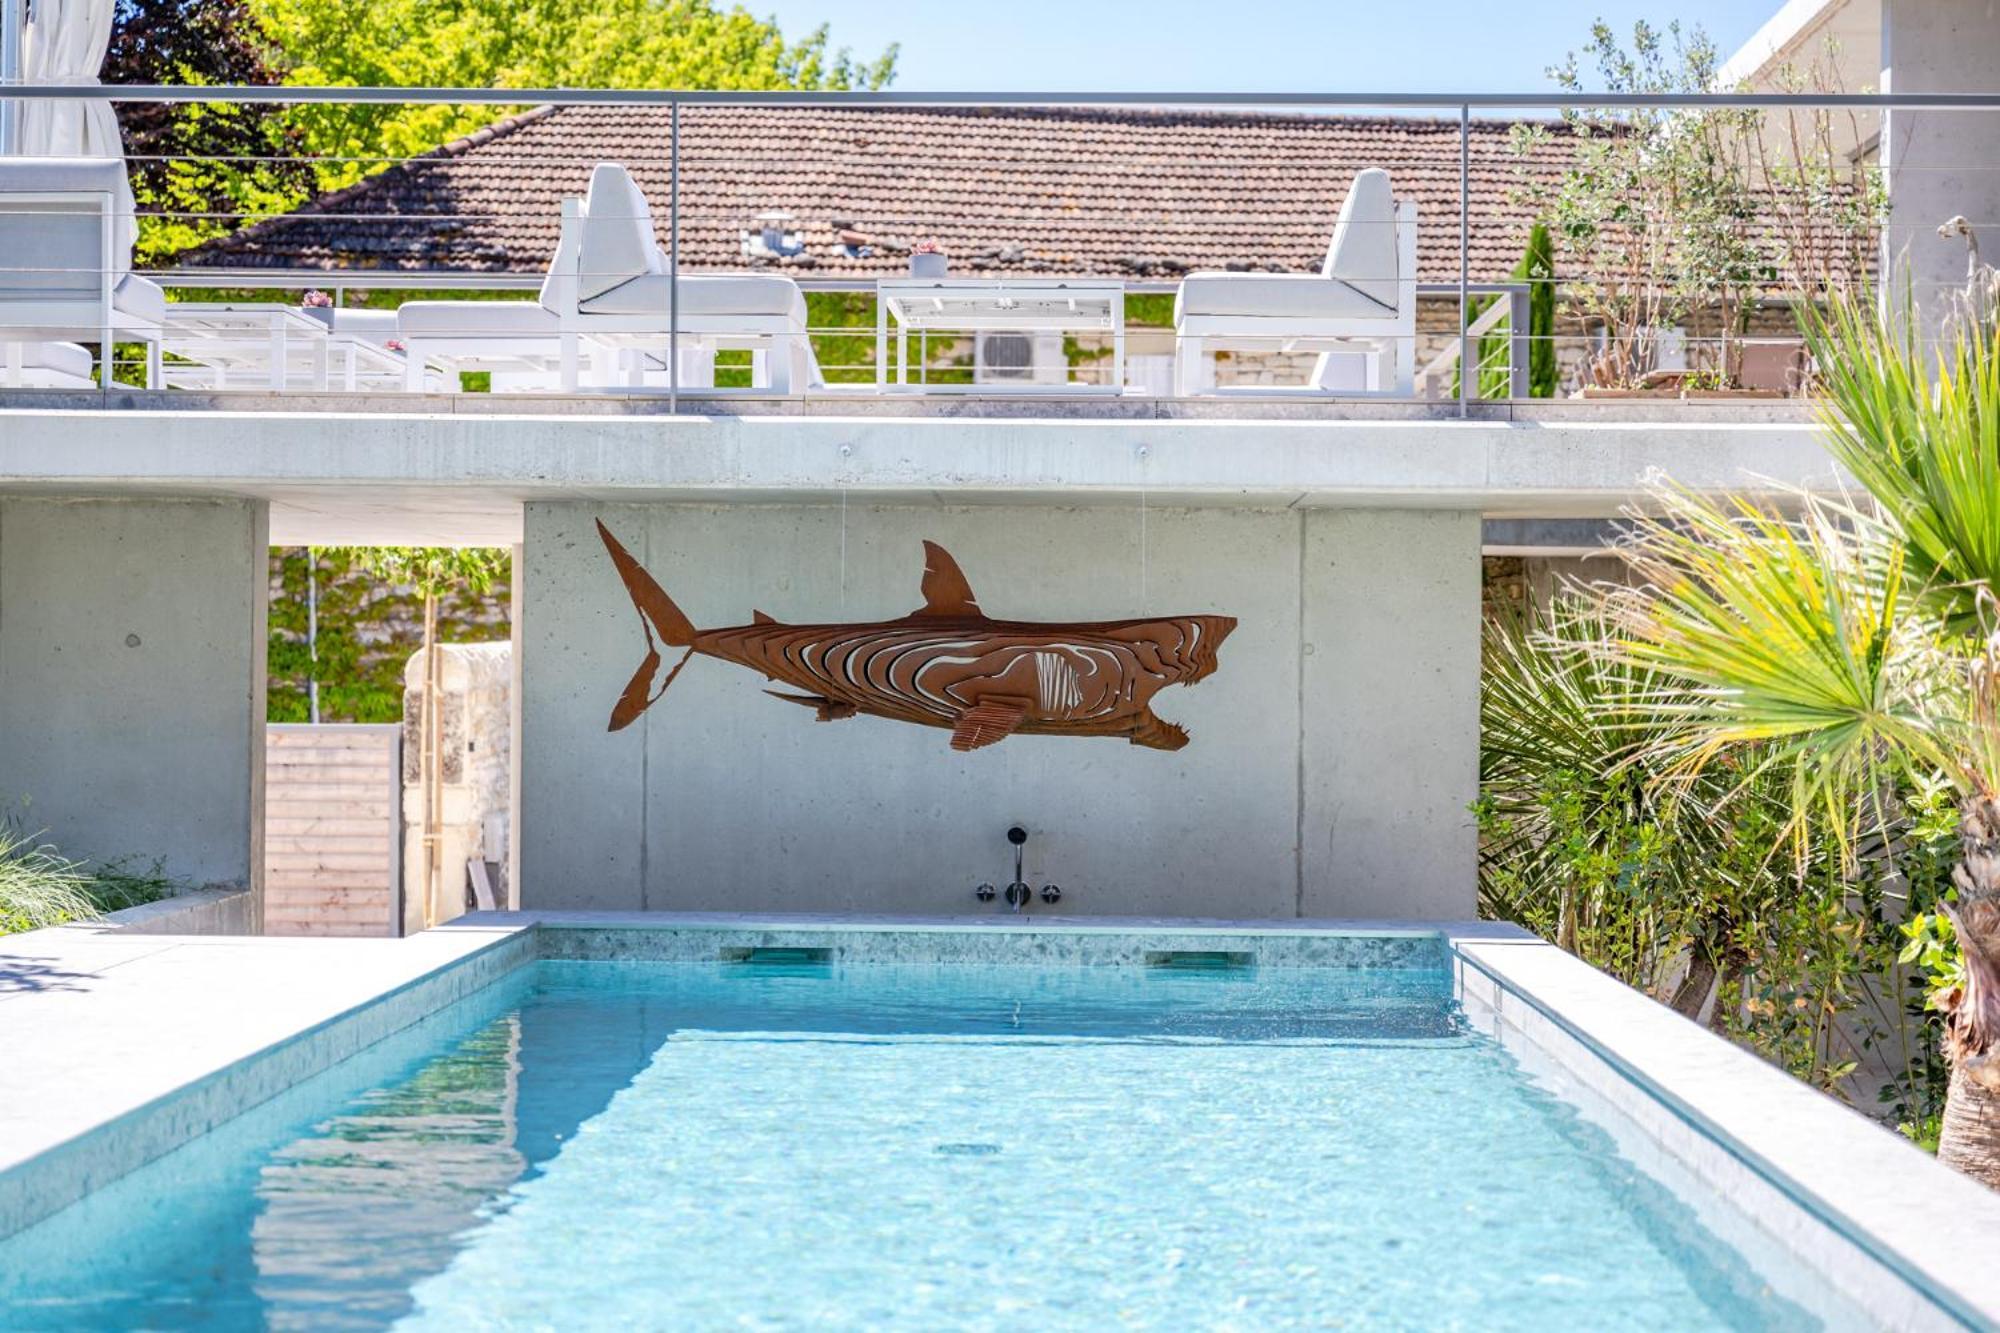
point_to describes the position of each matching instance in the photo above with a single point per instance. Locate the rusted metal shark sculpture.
(944, 665)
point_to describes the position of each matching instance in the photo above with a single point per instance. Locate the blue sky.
(1238, 45)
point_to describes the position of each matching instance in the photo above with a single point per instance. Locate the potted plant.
(928, 260)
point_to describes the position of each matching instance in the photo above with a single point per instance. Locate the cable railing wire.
(887, 232)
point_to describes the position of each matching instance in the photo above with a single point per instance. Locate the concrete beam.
(380, 477)
(132, 679)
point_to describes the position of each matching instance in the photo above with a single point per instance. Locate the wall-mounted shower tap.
(1018, 893)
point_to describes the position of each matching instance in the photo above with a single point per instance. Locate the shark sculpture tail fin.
(658, 615)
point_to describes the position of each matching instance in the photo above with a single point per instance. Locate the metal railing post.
(1521, 347)
(674, 257)
(1468, 367)
(13, 33)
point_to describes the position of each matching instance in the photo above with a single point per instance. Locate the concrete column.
(1390, 701)
(132, 679)
(1940, 164)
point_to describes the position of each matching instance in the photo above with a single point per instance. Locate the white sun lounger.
(1363, 300)
(611, 283)
(63, 274)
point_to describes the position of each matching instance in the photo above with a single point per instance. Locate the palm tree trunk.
(1970, 1141)
(1971, 1138)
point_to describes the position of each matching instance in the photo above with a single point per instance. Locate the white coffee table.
(994, 305)
(235, 345)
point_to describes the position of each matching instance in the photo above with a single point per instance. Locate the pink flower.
(394, 344)
(317, 300)
(926, 247)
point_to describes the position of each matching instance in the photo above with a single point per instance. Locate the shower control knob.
(1051, 894)
(984, 893)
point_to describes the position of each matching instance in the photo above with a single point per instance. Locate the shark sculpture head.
(946, 664)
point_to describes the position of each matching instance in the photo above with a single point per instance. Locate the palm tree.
(1852, 643)
(1586, 836)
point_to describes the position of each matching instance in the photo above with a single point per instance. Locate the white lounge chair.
(63, 273)
(1363, 300)
(611, 283)
(45, 365)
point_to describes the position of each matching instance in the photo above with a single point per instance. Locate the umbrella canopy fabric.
(65, 42)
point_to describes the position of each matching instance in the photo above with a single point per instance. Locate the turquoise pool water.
(688, 1146)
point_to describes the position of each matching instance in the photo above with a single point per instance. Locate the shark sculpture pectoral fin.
(991, 720)
(638, 693)
(830, 710)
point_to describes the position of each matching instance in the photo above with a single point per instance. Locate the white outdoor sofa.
(63, 274)
(518, 343)
(1363, 300)
(610, 283)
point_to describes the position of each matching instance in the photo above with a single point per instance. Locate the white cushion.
(476, 319)
(61, 175)
(617, 242)
(1363, 250)
(140, 299)
(710, 294)
(376, 326)
(1294, 296)
(77, 175)
(54, 358)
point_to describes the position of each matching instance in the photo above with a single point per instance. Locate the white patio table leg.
(881, 342)
(277, 352)
(1118, 344)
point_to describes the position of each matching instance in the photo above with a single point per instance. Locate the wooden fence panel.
(333, 802)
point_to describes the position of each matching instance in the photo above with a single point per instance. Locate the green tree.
(1655, 218)
(200, 170)
(610, 44)
(1538, 269)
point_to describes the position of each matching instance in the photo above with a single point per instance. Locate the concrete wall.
(1941, 164)
(1333, 754)
(197, 912)
(132, 679)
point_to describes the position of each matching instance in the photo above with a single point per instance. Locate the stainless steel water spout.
(1018, 892)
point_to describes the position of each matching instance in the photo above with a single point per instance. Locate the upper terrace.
(1109, 256)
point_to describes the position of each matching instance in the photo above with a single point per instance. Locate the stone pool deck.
(117, 1047)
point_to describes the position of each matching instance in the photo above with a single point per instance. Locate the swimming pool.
(786, 1139)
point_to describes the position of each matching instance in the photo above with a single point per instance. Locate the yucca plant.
(1840, 647)
(1589, 838)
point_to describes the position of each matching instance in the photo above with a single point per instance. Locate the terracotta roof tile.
(1103, 192)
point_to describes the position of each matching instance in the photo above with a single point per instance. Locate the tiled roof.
(1110, 193)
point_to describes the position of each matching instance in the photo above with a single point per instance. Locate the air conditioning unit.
(1019, 358)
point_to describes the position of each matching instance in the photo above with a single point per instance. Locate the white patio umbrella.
(65, 42)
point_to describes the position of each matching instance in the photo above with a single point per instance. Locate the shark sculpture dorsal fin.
(759, 618)
(946, 593)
